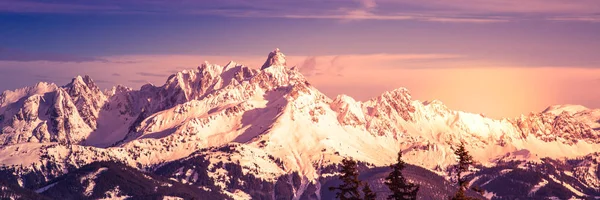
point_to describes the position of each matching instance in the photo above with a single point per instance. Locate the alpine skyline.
(499, 58)
(299, 99)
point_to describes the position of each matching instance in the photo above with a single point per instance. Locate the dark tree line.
(400, 187)
(349, 189)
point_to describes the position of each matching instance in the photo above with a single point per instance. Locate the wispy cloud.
(352, 15)
(155, 68)
(25, 56)
(151, 74)
(594, 18)
(27, 6)
(138, 81)
(309, 66)
(42, 78)
(335, 65)
(504, 6)
(362, 15)
(447, 77)
(455, 11)
(464, 20)
(104, 81)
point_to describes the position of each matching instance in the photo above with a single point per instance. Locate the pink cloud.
(507, 6)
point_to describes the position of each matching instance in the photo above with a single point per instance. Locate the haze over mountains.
(238, 132)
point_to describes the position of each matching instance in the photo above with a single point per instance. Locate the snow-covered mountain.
(541, 179)
(270, 122)
(108, 180)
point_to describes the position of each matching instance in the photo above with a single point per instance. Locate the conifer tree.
(349, 189)
(368, 193)
(401, 189)
(465, 160)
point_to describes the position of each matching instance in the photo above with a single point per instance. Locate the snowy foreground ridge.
(275, 121)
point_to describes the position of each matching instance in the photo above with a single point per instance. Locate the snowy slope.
(273, 112)
(580, 113)
(541, 179)
(111, 180)
(46, 114)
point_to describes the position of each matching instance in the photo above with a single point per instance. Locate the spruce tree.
(465, 160)
(401, 189)
(368, 193)
(349, 189)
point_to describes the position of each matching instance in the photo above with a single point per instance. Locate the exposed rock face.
(49, 117)
(562, 127)
(276, 58)
(87, 97)
(276, 122)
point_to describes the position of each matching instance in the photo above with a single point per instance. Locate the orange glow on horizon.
(477, 87)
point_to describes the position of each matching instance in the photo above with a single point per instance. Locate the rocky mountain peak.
(571, 109)
(398, 100)
(276, 121)
(276, 58)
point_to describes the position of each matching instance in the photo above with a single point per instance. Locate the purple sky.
(499, 57)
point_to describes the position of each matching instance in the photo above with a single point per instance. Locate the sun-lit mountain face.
(218, 126)
(363, 99)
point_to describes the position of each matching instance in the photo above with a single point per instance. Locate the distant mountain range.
(237, 132)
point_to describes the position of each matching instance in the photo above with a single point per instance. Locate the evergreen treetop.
(401, 189)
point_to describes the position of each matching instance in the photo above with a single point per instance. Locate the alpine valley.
(235, 132)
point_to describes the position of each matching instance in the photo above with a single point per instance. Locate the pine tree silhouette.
(464, 161)
(401, 189)
(368, 193)
(349, 189)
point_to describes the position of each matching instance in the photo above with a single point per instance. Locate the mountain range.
(237, 132)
